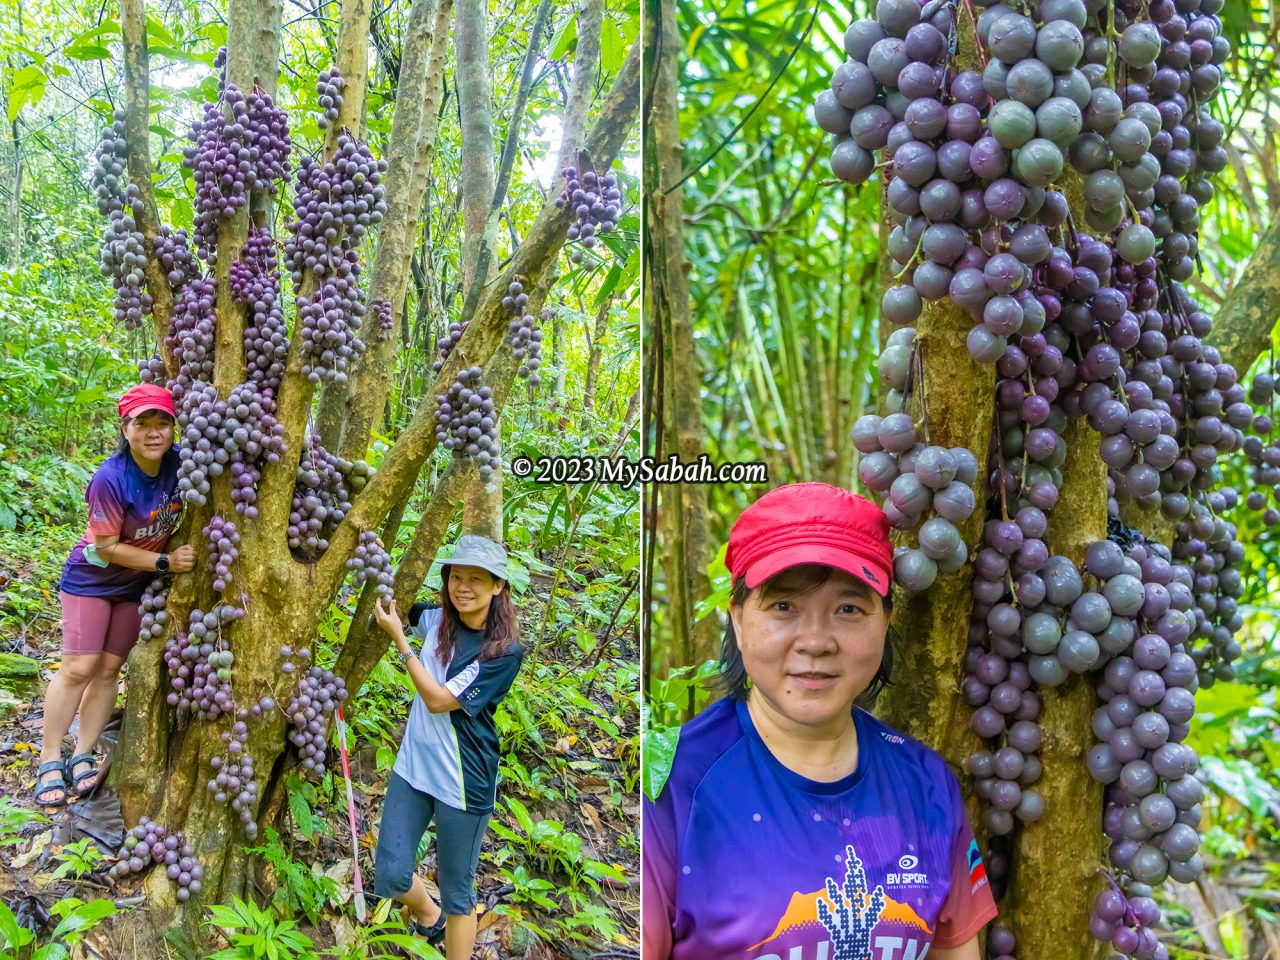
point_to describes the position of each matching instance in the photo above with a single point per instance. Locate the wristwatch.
(162, 563)
(405, 656)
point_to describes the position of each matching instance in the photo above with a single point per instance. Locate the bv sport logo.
(907, 876)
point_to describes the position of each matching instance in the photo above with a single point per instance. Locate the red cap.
(146, 396)
(811, 523)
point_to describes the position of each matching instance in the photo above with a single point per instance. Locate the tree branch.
(586, 64)
(1243, 324)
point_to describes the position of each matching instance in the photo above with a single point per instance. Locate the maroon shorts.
(93, 625)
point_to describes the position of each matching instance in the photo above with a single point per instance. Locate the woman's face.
(472, 589)
(149, 434)
(811, 652)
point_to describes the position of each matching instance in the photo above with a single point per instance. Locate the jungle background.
(556, 870)
(768, 270)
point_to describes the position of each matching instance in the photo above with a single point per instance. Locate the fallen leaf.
(37, 847)
(589, 814)
(344, 932)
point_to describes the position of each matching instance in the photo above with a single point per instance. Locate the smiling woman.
(793, 823)
(133, 511)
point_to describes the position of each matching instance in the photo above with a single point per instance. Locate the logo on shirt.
(160, 520)
(907, 875)
(977, 872)
(893, 737)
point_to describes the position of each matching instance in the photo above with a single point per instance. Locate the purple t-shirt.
(744, 859)
(141, 510)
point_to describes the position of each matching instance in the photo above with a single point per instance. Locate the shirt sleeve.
(657, 877)
(489, 683)
(969, 905)
(106, 508)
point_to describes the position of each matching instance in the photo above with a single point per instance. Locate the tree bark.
(682, 509)
(1054, 875)
(1244, 323)
(476, 104)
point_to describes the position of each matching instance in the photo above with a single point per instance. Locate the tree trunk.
(1243, 325)
(476, 104)
(682, 508)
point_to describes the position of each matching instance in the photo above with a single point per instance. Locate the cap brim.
(862, 568)
(150, 406)
(501, 574)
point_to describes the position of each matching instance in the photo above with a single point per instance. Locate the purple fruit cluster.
(465, 421)
(446, 344)
(381, 310)
(191, 335)
(255, 283)
(1127, 922)
(329, 86)
(318, 694)
(150, 843)
(242, 144)
(370, 563)
(523, 334)
(224, 548)
(235, 435)
(914, 478)
(173, 251)
(152, 609)
(336, 203)
(200, 664)
(233, 781)
(123, 251)
(320, 500)
(596, 203)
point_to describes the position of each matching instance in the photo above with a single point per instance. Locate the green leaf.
(566, 37)
(658, 755)
(519, 811)
(27, 87)
(88, 51)
(11, 933)
(300, 808)
(613, 47)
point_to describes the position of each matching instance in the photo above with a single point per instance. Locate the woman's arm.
(111, 550)
(966, 951)
(435, 695)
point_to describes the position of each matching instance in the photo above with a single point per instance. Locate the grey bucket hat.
(476, 551)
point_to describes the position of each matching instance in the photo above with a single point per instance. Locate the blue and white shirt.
(454, 756)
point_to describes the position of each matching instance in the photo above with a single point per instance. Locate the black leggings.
(406, 814)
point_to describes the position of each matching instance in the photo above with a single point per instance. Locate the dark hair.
(805, 578)
(123, 446)
(501, 626)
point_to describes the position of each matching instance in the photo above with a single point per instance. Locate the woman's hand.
(183, 560)
(387, 618)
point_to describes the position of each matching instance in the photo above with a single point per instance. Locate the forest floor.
(559, 869)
